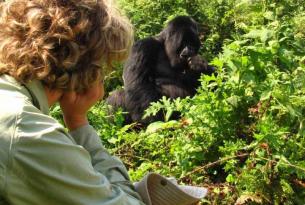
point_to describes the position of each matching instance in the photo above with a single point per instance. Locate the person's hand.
(76, 105)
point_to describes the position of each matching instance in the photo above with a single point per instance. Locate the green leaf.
(230, 178)
(265, 95)
(233, 100)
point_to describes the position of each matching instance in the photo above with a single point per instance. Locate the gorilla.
(165, 65)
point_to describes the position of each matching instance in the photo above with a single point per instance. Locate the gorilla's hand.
(199, 64)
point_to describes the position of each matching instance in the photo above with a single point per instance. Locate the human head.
(66, 44)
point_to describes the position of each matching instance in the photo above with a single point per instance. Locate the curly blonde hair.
(64, 43)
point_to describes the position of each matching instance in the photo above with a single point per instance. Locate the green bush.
(243, 134)
(149, 17)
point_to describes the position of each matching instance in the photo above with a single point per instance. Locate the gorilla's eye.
(191, 40)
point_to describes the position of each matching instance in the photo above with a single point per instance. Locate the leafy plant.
(243, 134)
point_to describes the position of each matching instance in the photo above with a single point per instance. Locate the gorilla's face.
(181, 41)
(189, 45)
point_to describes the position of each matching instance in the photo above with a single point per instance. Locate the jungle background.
(243, 135)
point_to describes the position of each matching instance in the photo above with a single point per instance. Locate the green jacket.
(40, 163)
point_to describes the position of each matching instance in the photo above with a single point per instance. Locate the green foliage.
(215, 18)
(243, 134)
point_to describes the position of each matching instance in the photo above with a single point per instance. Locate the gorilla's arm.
(183, 84)
(139, 77)
(197, 66)
(116, 99)
(173, 88)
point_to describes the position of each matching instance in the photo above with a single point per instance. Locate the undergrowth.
(243, 134)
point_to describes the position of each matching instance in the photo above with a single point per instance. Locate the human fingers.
(95, 92)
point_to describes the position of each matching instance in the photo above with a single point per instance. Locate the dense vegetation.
(243, 134)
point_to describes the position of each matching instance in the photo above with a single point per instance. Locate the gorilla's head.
(181, 40)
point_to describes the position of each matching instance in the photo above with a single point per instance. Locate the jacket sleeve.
(110, 166)
(49, 166)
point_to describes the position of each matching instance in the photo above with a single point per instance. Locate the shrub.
(243, 134)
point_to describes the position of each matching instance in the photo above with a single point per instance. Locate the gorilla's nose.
(187, 52)
(184, 56)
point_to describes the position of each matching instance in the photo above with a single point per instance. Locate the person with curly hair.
(56, 51)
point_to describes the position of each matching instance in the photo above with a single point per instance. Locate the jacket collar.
(33, 90)
(38, 95)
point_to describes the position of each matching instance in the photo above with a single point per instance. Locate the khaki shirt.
(40, 163)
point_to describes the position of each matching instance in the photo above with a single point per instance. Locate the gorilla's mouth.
(189, 61)
(186, 59)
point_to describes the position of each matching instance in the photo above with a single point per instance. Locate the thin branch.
(132, 156)
(283, 163)
(299, 182)
(211, 164)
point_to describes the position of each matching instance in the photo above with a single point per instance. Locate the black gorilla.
(165, 65)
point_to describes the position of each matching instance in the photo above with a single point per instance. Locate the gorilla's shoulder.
(147, 45)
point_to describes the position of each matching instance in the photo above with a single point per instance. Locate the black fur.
(165, 65)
